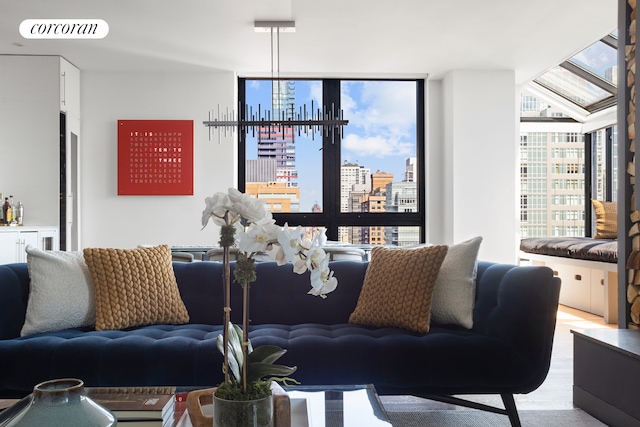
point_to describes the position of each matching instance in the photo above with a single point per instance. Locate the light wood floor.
(557, 390)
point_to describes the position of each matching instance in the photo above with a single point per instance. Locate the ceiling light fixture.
(306, 121)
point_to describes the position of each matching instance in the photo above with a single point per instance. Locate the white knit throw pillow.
(61, 294)
(455, 291)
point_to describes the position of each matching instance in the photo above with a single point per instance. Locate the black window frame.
(590, 176)
(331, 217)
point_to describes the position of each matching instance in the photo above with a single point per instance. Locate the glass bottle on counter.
(13, 210)
(6, 211)
(19, 213)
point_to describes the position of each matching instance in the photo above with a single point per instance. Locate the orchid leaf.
(235, 350)
(266, 354)
(257, 371)
(235, 347)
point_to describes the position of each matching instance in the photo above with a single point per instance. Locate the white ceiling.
(333, 38)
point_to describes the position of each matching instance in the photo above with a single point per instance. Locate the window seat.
(585, 248)
(587, 267)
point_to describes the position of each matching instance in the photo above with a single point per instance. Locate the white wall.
(110, 220)
(471, 153)
(437, 222)
(476, 150)
(29, 135)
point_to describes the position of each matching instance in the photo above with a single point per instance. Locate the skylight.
(588, 79)
(572, 87)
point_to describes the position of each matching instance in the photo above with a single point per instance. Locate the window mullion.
(590, 179)
(609, 164)
(242, 137)
(331, 161)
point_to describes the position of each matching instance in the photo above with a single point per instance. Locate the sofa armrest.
(14, 294)
(519, 305)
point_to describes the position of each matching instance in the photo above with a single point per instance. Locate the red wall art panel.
(155, 157)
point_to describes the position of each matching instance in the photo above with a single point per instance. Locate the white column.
(472, 158)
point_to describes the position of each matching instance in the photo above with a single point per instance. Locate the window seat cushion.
(585, 248)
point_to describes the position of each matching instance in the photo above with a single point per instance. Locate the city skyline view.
(380, 136)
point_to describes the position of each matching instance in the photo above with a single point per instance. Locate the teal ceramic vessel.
(62, 403)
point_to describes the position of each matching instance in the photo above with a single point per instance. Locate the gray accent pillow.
(455, 290)
(61, 294)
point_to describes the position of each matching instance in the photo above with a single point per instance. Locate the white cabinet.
(69, 88)
(597, 292)
(9, 247)
(25, 238)
(575, 290)
(590, 286)
(14, 241)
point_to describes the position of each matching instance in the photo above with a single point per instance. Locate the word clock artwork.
(155, 157)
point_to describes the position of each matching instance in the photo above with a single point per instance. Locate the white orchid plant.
(244, 220)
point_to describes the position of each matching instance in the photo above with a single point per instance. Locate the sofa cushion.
(606, 219)
(398, 288)
(61, 292)
(134, 287)
(186, 355)
(455, 290)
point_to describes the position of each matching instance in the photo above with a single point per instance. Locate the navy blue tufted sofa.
(508, 350)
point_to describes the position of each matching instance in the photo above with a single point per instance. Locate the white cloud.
(384, 105)
(381, 118)
(315, 92)
(377, 146)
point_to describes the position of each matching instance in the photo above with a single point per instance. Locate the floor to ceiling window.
(561, 170)
(366, 187)
(563, 166)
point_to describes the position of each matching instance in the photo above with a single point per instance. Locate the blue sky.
(380, 134)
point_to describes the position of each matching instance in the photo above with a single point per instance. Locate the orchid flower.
(315, 255)
(290, 241)
(246, 206)
(277, 254)
(322, 280)
(299, 263)
(255, 239)
(216, 208)
(262, 234)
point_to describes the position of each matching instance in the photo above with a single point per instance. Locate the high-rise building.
(552, 173)
(552, 183)
(379, 181)
(263, 169)
(611, 74)
(279, 143)
(411, 168)
(373, 235)
(278, 197)
(352, 174)
(402, 197)
(353, 177)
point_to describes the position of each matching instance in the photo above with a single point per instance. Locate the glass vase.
(62, 403)
(243, 413)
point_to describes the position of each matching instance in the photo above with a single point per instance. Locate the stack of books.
(140, 409)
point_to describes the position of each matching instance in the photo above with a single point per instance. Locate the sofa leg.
(510, 408)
